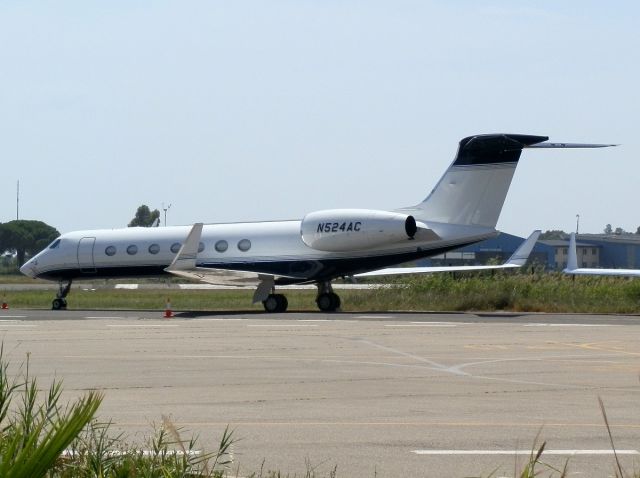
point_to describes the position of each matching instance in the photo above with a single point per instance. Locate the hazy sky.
(255, 110)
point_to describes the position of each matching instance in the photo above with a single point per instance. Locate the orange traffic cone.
(168, 313)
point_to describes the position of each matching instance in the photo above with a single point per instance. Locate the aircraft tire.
(283, 303)
(336, 300)
(58, 304)
(328, 302)
(275, 303)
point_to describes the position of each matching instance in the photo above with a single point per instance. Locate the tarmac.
(372, 394)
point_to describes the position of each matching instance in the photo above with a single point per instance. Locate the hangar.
(594, 250)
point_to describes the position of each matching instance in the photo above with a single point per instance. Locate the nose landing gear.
(60, 302)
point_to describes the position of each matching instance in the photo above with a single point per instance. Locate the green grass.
(436, 292)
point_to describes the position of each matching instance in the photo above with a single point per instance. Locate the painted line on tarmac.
(221, 319)
(16, 325)
(572, 325)
(282, 325)
(110, 317)
(426, 324)
(2, 317)
(433, 365)
(524, 452)
(143, 325)
(374, 317)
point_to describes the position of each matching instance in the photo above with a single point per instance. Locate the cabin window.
(55, 244)
(175, 247)
(201, 247)
(222, 246)
(110, 251)
(154, 249)
(132, 250)
(244, 245)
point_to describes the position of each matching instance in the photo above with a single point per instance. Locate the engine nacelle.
(342, 230)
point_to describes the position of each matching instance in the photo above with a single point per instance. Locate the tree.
(145, 217)
(25, 237)
(608, 229)
(554, 234)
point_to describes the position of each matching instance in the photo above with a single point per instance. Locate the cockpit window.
(54, 244)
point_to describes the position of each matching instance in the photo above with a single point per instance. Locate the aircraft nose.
(29, 269)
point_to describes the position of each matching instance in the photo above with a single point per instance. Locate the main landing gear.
(327, 300)
(60, 302)
(275, 303)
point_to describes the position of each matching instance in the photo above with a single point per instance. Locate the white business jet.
(462, 209)
(573, 269)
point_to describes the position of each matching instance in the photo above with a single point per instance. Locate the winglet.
(572, 262)
(521, 255)
(186, 257)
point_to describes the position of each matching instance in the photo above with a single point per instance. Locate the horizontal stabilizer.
(570, 145)
(517, 259)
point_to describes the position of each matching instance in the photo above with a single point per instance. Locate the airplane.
(573, 269)
(462, 209)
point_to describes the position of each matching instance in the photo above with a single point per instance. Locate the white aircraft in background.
(462, 209)
(573, 269)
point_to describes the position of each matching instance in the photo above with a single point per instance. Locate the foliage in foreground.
(40, 437)
(32, 434)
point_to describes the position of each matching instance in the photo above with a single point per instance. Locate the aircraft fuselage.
(274, 248)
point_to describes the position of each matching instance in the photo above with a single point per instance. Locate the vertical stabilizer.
(473, 189)
(572, 260)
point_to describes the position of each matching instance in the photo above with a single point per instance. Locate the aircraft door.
(85, 255)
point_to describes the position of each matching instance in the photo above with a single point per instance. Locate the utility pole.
(577, 224)
(18, 201)
(165, 209)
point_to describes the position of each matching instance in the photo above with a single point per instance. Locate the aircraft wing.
(184, 265)
(518, 259)
(573, 269)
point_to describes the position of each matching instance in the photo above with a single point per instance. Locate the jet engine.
(342, 230)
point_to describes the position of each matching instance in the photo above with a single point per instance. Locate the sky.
(255, 110)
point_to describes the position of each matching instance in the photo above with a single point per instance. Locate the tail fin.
(473, 189)
(572, 260)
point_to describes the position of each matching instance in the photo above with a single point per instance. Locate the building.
(497, 249)
(615, 251)
(588, 254)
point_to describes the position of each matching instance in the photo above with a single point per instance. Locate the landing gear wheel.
(58, 304)
(275, 303)
(328, 302)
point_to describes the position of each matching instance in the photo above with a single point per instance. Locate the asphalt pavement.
(389, 394)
